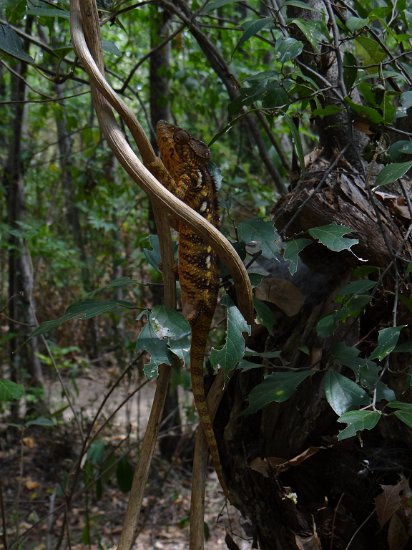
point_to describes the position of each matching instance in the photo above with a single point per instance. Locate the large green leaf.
(332, 236)
(233, 350)
(277, 387)
(342, 393)
(357, 421)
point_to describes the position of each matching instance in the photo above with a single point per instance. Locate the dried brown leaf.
(397, 534)
(281, 292)
(389, 501)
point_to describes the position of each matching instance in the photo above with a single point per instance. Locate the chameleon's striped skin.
(186, 160)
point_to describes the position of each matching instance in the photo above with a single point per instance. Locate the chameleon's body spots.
(186, 160)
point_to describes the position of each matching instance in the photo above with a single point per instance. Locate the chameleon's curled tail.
(200, 330)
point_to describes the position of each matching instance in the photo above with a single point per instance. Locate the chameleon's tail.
(200, 331)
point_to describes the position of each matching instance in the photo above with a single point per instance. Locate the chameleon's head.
(179, 150)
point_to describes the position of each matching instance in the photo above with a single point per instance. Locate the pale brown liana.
(104, 97)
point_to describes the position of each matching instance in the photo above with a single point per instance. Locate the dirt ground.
(37, 464)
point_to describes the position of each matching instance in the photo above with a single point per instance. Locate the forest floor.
(38, 461)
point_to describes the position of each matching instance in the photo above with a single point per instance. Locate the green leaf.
(153, 255)
(357, 421)
(357, 287)
(345, 355)
(327, 111)
(403, 412)
(401, 405)
(246, 365)
(42, 421)
(405, 347)
(217, 4)
(11, 43)
(86, 309)
(399, 149)
(110, 47)
(405, 417)
(172, 325)
(392, 172)
(48, 12)
(9, 391)
(342, 393)
(288, 48)
(332, 236)
(350, 70)
(292, 249)
(406, 102)
(387, 340)
(251, 28)
(233, 350)
(369, 112)
(277, 387)
(296, 140)
(369, 52)
(156, 348)
(165, 335)
(264, 314)
(95, 453)
(124, 474)
(354, 24)
(326, 326)
(262, 231)
(298, 4)
(315, 32)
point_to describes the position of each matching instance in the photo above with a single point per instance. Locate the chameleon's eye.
(180, 136)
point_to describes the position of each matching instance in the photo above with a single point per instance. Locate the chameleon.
(187, 161)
